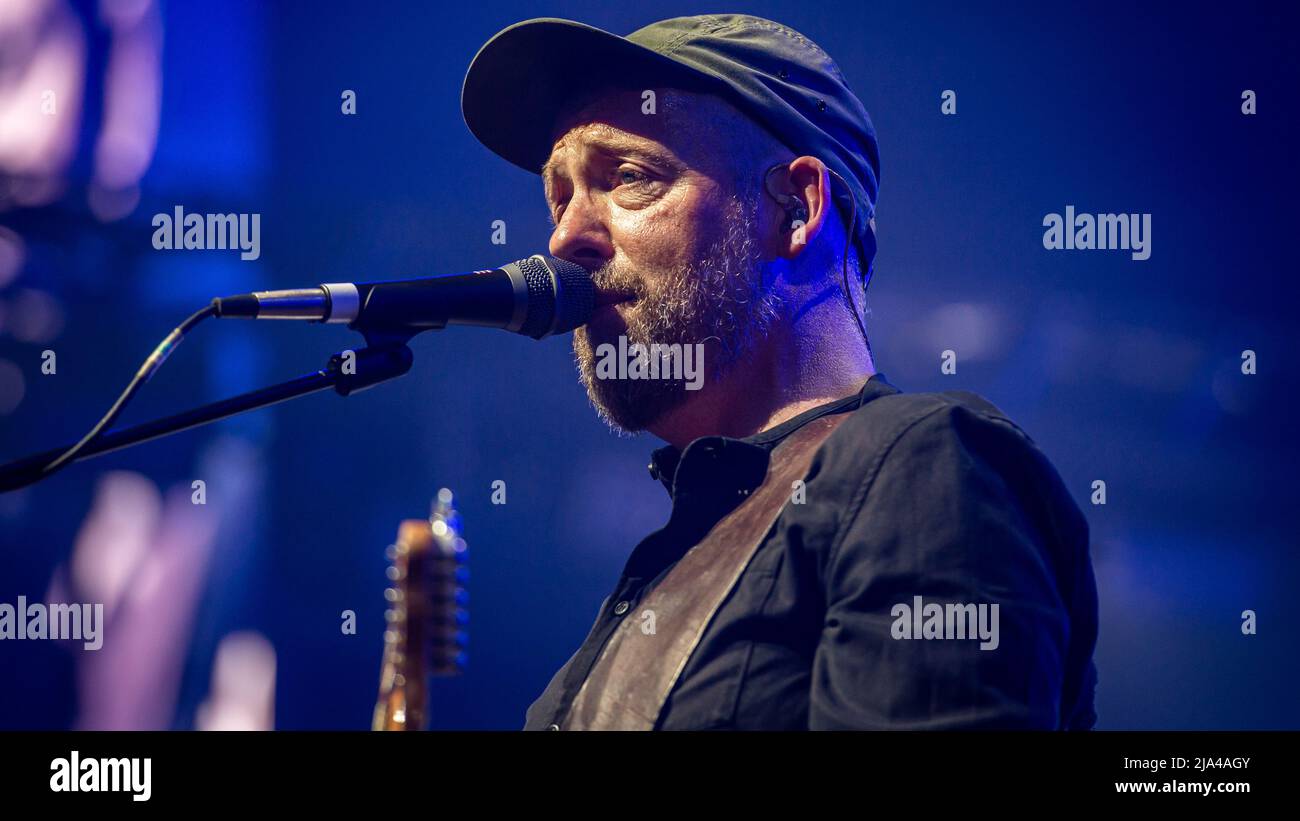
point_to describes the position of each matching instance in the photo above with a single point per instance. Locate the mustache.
(615, 276)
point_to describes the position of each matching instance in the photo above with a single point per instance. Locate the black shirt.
(931, 495)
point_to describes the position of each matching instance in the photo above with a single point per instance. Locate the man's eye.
(629, 176)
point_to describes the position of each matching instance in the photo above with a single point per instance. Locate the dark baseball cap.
(518, 83)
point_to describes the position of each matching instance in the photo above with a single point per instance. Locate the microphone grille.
(561, 295)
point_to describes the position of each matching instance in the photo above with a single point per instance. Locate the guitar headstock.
(426, 619)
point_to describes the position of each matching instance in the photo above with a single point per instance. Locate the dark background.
(1125, 371)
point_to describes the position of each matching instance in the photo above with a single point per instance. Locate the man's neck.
(785, 378)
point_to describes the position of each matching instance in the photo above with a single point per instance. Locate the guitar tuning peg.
(390, 552)
(442, 503)
(393, 573)
(462, 575)
(392, 594)
(462, 596)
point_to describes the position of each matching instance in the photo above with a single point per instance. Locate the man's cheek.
(657, 240)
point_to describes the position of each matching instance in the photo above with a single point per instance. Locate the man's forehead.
(621, 120)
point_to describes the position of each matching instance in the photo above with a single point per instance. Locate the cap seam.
(715, 26)
(772, 25)
(672, 45)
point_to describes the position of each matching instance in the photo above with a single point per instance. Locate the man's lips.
(606, 297)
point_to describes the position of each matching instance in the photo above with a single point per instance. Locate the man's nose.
(582, 234)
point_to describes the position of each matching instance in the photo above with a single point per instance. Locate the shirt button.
(621, 608)
(553, 727)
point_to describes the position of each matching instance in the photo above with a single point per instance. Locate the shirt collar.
(751, 450)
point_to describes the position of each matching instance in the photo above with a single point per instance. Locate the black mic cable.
(143, 375)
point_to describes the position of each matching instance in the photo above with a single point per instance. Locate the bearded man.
(840, 554)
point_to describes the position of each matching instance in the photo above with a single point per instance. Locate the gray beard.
(720, 298)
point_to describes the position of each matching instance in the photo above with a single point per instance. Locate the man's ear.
(803, 187)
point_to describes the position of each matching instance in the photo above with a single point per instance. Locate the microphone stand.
(385, 360)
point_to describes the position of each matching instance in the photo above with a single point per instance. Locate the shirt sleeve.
(957, 511)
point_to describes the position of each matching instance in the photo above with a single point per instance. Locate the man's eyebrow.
(548, 168)
(614, 145)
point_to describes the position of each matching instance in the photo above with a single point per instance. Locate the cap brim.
(518, 82)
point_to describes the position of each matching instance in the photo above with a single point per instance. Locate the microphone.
(538, 296)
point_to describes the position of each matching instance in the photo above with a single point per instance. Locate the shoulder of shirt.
(871, 432)
(900, 433)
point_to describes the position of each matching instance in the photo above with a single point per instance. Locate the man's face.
(653, 205)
